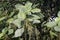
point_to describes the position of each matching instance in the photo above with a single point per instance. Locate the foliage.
(22, 18)
(55, 24)
(15, 24)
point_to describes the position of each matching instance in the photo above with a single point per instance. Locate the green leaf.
(18, 6)
(10, 31)
(5, 30)
(50, 24)
(1, 35)
(30, 19)
(57, 29)
(2, 18)
(35, 17)
(59, 24)
(29, 13)
(53, 34)
(19, 32)
(35, 10)
(57, 19)
(35, 5)
(21, 16)
(17, 22)
(12, 13)
(28, 6)
(21, 8)
(36, 21)
(59, 14)
(10, 20)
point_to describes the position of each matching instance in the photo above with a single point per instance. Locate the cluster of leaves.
(15, 24)
(54, 24)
